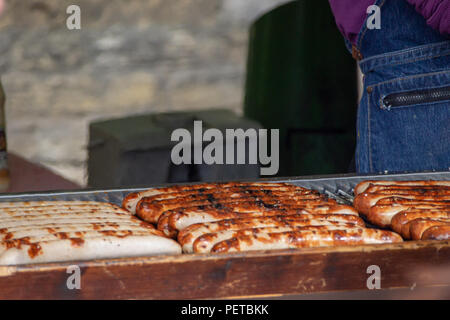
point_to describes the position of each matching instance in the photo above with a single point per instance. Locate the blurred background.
(150, 56)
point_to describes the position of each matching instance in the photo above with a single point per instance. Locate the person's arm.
(350, 15)
(436, 12)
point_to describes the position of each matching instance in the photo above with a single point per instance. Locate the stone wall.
(129, 57)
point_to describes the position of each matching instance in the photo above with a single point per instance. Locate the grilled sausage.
(67, 229)
(233, 209)
(407, 189)
(245, 208)
(167, 221)
(188, 235)
(130, 201)
(76, 249)
(419, 226)
(151, 210)
(401, 218)
(365, 200)
(56, 204)
(17, 241)
(205, 242)
(195, 230)
(303, 239)
(437, 233)
(61, 231)
(398, 201)
(381, 215)
(233, 191)
(406, 227)
(362, 186)
(184, 218)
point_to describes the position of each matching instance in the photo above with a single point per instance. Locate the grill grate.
(339, 188)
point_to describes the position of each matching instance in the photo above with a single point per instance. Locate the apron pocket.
(408, 98)
(409, 123)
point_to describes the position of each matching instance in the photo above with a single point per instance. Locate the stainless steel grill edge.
(337, 187)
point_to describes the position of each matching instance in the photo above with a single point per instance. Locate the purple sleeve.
(436, 12)
(350, 16)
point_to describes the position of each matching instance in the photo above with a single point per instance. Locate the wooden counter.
(264, 274)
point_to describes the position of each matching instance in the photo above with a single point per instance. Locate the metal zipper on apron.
(416, 97)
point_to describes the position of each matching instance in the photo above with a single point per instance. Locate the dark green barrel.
(302, 80)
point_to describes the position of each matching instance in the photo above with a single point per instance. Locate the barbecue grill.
(238, 275)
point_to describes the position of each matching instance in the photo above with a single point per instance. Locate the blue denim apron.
(403, 122)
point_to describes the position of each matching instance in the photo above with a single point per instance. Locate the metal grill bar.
(339, 188)
(348, 198)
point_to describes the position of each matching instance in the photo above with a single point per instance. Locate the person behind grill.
(403, 50)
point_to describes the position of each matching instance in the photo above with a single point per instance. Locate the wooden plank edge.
(182, 258)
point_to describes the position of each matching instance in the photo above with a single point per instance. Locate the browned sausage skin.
(150, 208)
(403, 217)
(362, 186)
(419, 226)
(184, 218)
(172, 221)
(382, 214)
(241, 223)
(437, 233)
(188, 236)
(130, 201)
(364, 201)
(207, 241)
(304, 239)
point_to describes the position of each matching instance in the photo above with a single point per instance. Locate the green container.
(136, 150)
(4, 169)
(301, 80)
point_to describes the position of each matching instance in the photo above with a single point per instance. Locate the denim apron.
(403, 122)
